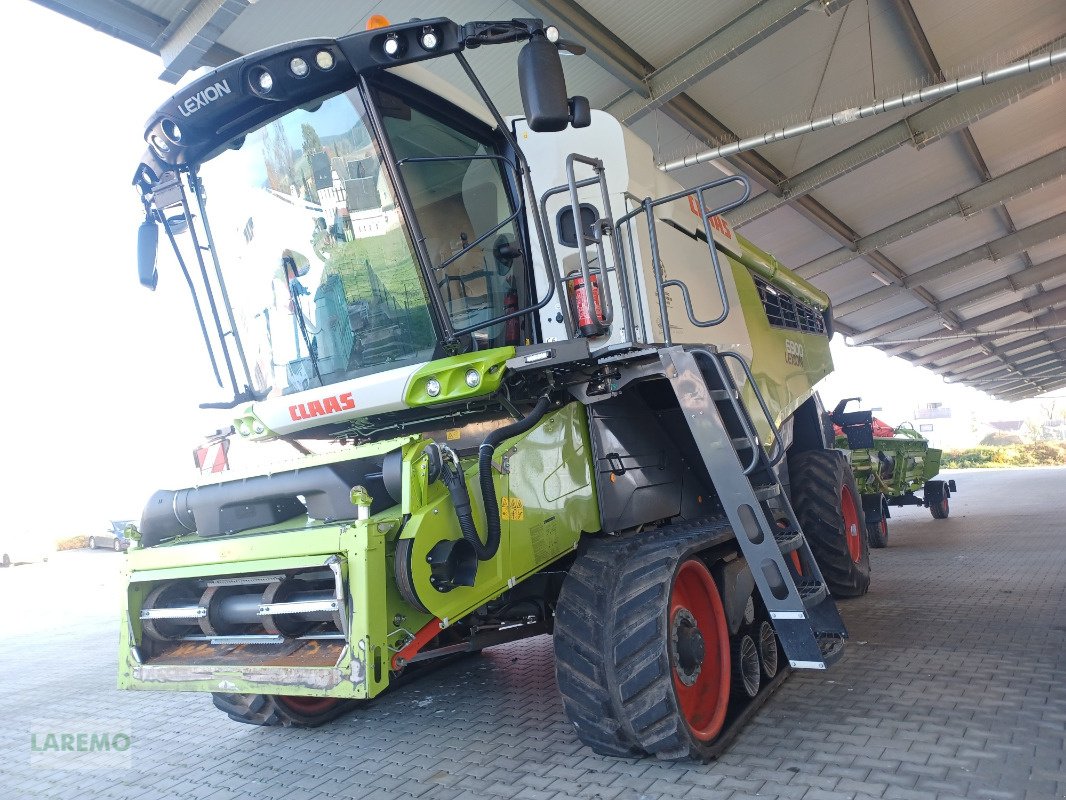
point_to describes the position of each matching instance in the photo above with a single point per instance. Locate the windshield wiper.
(294, 294)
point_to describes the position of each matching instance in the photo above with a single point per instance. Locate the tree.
(312, 144)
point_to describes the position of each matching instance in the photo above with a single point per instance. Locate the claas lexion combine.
(532, 385)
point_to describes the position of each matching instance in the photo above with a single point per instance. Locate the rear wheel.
(877, 532)
(92, 542)
(287, 711)
(939, 506)
(825, 498)
(6, 561)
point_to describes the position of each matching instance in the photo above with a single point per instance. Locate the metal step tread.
(812, 592)
(788, 539)
(766, 492)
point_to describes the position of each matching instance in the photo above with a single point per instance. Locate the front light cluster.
(263, 80)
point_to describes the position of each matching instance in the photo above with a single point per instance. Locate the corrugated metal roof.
(802, 67)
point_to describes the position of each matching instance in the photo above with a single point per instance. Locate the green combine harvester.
(531, 386)
(890, 466)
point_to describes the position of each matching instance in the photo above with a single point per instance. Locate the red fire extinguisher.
(590, 319)
(512, 330)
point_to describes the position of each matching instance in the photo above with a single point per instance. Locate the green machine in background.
(891, 465)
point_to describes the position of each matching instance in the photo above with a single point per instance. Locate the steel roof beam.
(1053, 317)
(1015, 396)
(1015, 282)
(624, 63)
(753, 26)
(988, 194)
(920, 129)
(131, 24)
(973, 364)
(185, 43)
(1009, 245)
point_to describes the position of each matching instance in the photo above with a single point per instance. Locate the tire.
(769, 652)
(877, 532)
(940, 508)
(92, 542)
(747, 670)
(825, 498)
(118, 546)
(6, 562)
(642, 646)
(280, 711)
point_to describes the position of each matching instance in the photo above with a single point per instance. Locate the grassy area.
(1037, 454)
(72, 543)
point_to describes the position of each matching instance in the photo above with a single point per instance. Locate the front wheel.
(272, 710)
(826, 500)
(118, 546)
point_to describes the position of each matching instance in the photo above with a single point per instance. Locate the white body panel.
(631, 176)
(337, 402)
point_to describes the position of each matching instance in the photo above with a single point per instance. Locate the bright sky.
(103, 377)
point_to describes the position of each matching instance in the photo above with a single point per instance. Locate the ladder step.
(788, 539)
(812, 592)
(743, 443)
(766, 492)
(719, 395)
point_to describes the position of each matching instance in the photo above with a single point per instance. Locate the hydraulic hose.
(452, 475)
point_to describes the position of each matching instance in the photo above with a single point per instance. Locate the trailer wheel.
(825, 498)
(280, 710)
(877, 532)
(940, 508)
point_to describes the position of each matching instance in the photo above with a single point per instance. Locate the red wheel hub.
(699, 650)
(851, 524)
(308, 705)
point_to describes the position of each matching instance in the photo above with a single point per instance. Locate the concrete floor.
(954, 685)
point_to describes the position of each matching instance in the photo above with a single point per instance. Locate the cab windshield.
(320, 270)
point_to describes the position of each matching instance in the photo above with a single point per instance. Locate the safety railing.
(647, 207)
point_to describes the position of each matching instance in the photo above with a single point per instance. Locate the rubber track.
(817, 477)
(611, 642)
(580, 640)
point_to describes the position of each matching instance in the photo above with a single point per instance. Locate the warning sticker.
(511, 508)
(452, 434)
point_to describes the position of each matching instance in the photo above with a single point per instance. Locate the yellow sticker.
(452, 434)
(511, 508)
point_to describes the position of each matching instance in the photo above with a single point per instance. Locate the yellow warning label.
(511, 508)
(452, 434)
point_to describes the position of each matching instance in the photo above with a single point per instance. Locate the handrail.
(646, 207)
(777, 449)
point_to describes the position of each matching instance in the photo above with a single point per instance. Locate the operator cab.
(335, 221)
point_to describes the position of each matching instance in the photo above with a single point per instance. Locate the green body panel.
(547, 496)
(786, 363)
(894, 466)
(547, 499)
(764, 264)
(451, 374)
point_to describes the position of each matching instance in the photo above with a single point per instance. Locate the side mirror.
(147, 245)
(580, 112)
(540, 78)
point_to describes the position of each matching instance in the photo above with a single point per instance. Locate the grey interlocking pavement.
(953, 686)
